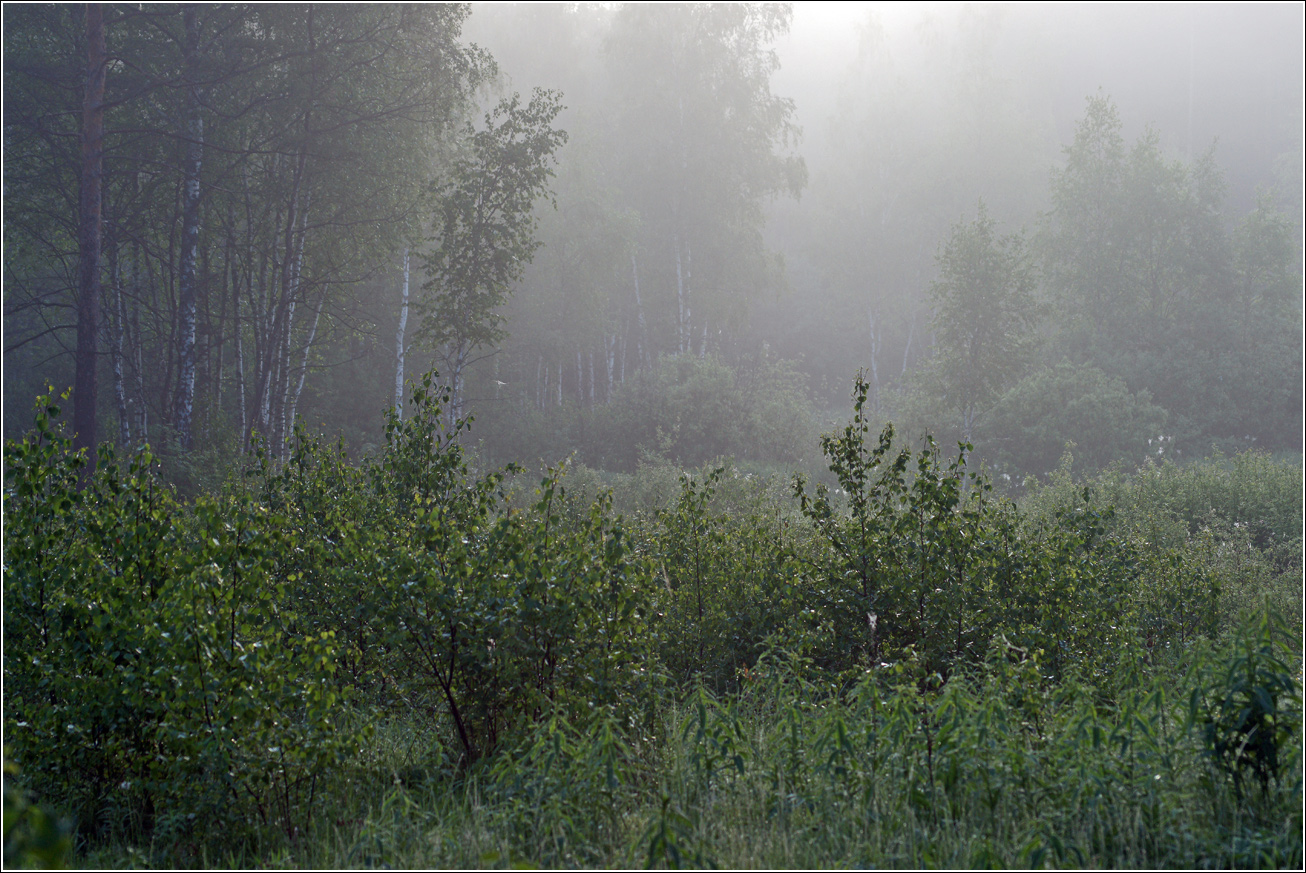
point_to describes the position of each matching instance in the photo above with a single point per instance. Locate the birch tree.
(485, 231)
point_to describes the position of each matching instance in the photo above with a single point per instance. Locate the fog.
(1028, 227)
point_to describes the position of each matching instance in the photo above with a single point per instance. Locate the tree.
(88, 297)
(260, 165)
(1150, 288)
(704, 144)
(485, 230)
(985, 315)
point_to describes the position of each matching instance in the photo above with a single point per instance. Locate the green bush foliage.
(155, 680)
(927, 560)
(402, 662)
(1028, 428)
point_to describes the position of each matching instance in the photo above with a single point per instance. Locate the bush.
(1251, 715)
(1028, 429)
(153, 675)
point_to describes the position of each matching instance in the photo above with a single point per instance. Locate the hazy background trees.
(752, 203)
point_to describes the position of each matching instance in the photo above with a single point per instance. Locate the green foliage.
(1031, 424)
(1236, 521)
(926, 562)
(985, 314)
(155, 681)
(485, 227)
(500, 618)
(1250, 717)
(1150, 288)
(727, 573)
(1046, 685)
(694, 409)
(33, 835)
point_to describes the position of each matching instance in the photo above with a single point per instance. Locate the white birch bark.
(399, 343)
(590, 356)
(183, 412)
(911, 332)
(303, 367)
(641, 336)
(873, 329)
(682, 308)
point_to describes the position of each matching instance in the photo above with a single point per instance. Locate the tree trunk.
(138, 364)
(240, 360)
(399, 343)
(88, 298)
(907, 351)
(682, 305)
(303, 367)
(610, 353)
(641, 337)
(458, 359)
(183, 411)
(874, 330)
(540, 387)
(590, 357)
(117, 327)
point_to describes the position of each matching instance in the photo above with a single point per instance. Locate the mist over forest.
(719, 435)
(731, 212)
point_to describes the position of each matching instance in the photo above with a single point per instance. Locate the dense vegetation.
(271, 600)
(409, 661)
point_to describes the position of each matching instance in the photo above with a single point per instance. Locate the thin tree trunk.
(641, 337)
(590, 356)
(142, 408)
(240, 365)
(183, 412)
(906, 353)
(873, 329)
(88, 298)
(399, 343)
(580, 381)
(610, 354)
(303, 364)
(117, 328)
(539, 391)
(682, 306)
(458, 357)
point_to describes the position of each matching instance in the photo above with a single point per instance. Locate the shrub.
(1251, 715)
(1029, 427)
(153, 676)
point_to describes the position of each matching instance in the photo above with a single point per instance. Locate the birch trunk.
(610, 353)
(540, 388)
(88, 297)
(590, 356)
(873, 328)
(303, 364)
(641, 336)
(911, 332)
(580, 381)
(399, 343)
(682, 305)
(183, 412)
